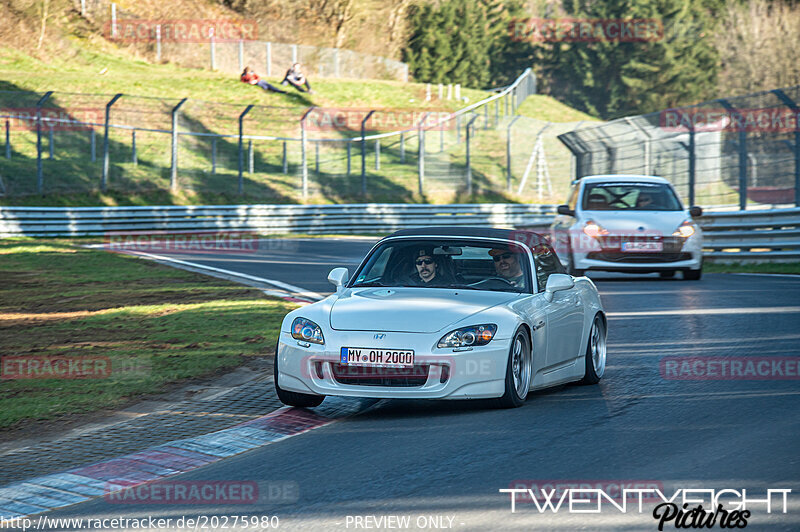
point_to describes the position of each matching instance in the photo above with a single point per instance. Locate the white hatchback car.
(625, 223)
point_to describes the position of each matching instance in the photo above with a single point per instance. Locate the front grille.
(369, 376)
(638, 257)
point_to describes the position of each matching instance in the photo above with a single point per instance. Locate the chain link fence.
(61, 143)
(230, 45)
(738, 152)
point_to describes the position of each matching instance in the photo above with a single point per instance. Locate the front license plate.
(367, 356)
(642, 246)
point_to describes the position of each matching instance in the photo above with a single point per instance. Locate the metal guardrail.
(768, 235)
(266, 219)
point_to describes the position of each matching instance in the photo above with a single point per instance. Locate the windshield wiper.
(368, 284)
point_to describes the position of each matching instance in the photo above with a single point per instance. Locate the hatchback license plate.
(366, 356)
(642, 246)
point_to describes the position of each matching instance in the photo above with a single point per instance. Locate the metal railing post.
(250, 156)
(303, 142)
(39, 172)
(173, 174)
(402, 147)
(316, 157)
(421, 153)
(508, 152)
(364, 153)
(104, 177)
(241, 147)
(349, 157)
(458, 129)
(469, 161)
(8, 140)
(213, 155)
(692, 165)
(486, 116)
(93, 142)
(791, 104)
(742, 148)
(212, 48)
(50, 142)
(285, 161)
(378, 154)
(158, 43)
(134, 158)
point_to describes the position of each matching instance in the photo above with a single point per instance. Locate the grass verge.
(140, 325)
(763, 267)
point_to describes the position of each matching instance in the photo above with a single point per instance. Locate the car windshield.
(629, 197)
(466, 264)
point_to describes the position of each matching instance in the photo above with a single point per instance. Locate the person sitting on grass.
(294, 77)
(248, 76)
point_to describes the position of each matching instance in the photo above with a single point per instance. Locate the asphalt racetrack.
(442, 464)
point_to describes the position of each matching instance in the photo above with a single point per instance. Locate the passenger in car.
(506, 264)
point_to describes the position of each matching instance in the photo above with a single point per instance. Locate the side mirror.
(565, 210)
(338, 278)
(695, 212)
(557, 282)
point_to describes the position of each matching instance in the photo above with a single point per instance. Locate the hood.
(621, 222)
(423, 310)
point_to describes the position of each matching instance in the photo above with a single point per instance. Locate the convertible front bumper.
(437, 373)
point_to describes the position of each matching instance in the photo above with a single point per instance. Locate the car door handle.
(538, 325)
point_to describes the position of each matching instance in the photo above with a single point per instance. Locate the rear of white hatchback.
(624, 223)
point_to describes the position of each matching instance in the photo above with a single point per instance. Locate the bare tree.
(758, 46)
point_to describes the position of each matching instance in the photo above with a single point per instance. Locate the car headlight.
(686, 229)
(593, 229)
(307, 330)
(469, 336)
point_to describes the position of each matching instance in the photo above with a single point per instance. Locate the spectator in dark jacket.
(294, 77)
(248, 76)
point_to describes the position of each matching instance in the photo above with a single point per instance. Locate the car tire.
(595, 357)
(519, 370)
(667, 274)
(304, 400)
(693, 275)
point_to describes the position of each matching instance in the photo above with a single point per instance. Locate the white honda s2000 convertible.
(445, 313)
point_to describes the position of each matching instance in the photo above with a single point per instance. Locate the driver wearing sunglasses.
(426, 267)
(506, 264)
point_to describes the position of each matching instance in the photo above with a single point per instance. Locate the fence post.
(8, 140)
(497, 112)
(241, 147)
(93, 142)
(458, 129)
(349, 157)
(421, 153)
(692, 164)
(250, 156)
(269, 60)
(50, 142)
(285, 160)
(508, 152)
(104, 178)
(791, 104)
(742, 148)
(134, 158)
(241, 54)
(303, 142)
(213, 155)
(113, 21)
(336, 62)
(158, 43)
(402, 147)
(316, 157)
(364, 153)
(212, 47)
(39, 173)
(486, 116)
(173, 175)
(469, 162)
(377, 154)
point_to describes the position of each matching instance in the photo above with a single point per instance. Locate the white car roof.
(623, 177)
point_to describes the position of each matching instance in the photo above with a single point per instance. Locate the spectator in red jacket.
(248, 76)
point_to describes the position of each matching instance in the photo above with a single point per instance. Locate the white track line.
(294, 290)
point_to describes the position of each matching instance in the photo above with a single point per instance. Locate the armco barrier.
(770, 235)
